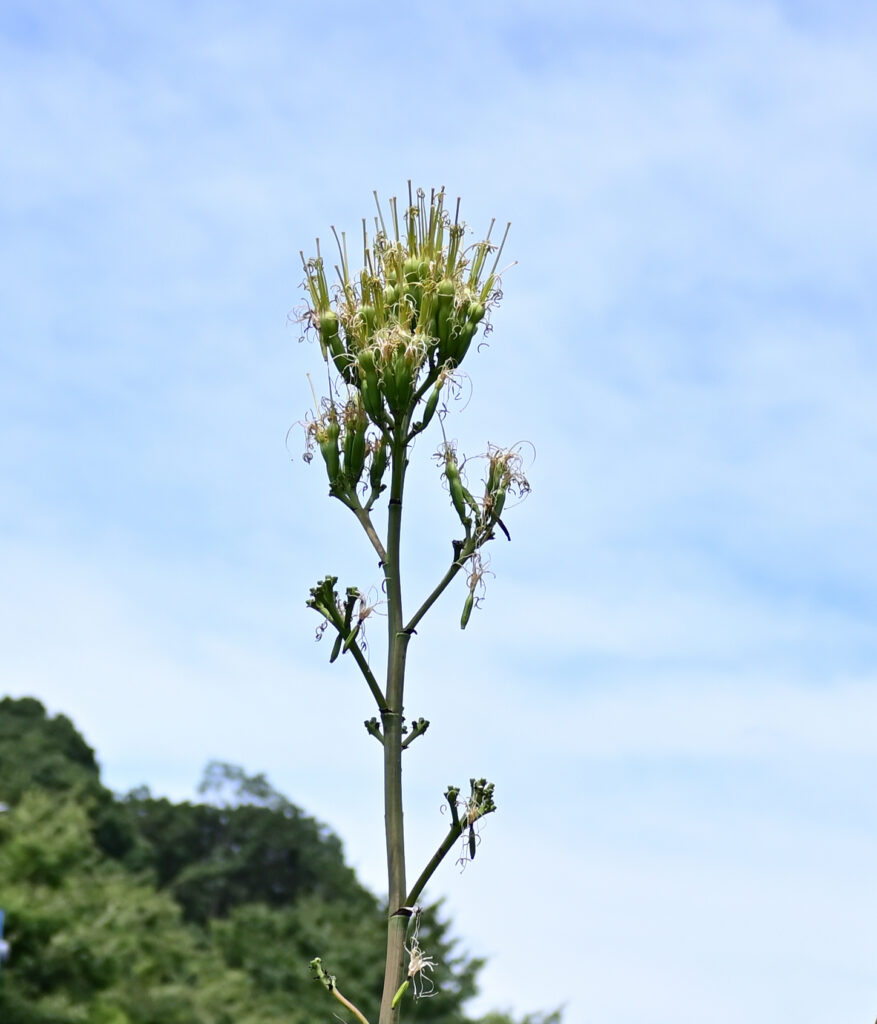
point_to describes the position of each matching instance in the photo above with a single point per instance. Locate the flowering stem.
(392, 336)
(392, 722)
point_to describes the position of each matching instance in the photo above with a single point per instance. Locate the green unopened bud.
(432, 403)
(404, 370)
(320, 974)
(324, 598)
(455, 487)
(327, 438)
(355, 426)
(368, 385)
(444, 315)
(400, 991)
(499, 477)
(368, 319)
(379, 465)
(467, 610)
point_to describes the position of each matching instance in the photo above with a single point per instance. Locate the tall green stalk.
(393, 338)
(397, 648)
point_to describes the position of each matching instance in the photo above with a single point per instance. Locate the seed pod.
(472, 844)
(411, 269)
(355, 423)
(329, 449)
(472, 503)
(328, 327)
(495, 491)
(328, 331)
(462, 340)
(368, 317)
(351, 637)
(467, 610)
(427, 323)
(455, 486)
(354, 457)
(476, 312)
(493, 473)
(316, 283)
(368, 385)
(403, 372)
(388, 383)
(379, 465)
(371, 400)
(445, 312)
(397, 998)
(336, 649)
(432, 404)
(413, 287)
(330, 339)
(349, 605)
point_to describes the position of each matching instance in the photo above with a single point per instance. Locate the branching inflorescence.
(393, 336)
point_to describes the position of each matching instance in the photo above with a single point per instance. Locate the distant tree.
(213, 859)
(228, 785)
(92, 943)
(47, 752)
(43, 751)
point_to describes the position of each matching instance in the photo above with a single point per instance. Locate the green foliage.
(214, 859)
(90, 941)
(48, 753)
(36, 750)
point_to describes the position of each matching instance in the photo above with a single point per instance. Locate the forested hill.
(136, 910)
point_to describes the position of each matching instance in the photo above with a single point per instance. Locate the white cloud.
(673, 674)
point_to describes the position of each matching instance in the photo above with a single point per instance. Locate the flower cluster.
(395, 330)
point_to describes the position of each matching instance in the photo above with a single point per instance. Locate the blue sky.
(673, 680)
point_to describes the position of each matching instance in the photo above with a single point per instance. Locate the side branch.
(328, 982)
(479, 803)
(455, 567)
(454, 833)
(324, 600)
(366, 522)
(369, 677)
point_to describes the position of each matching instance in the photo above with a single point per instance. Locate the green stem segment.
(346, 1002)
(392, 728)
(442, 585)
(359, 657)
(454, 833)
(328, 982)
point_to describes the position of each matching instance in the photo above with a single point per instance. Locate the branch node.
(418, 729)
(374, 729)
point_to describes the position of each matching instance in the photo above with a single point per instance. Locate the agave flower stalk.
(393, 335)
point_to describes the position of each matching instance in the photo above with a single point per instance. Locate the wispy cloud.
(672, 677)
